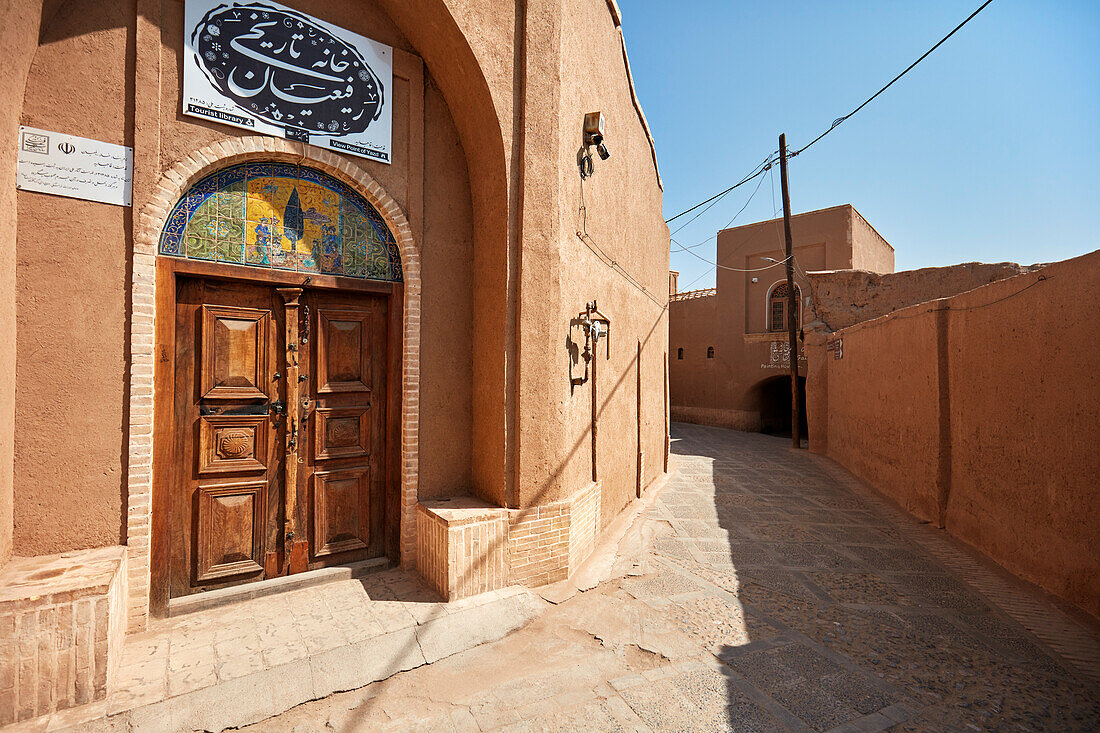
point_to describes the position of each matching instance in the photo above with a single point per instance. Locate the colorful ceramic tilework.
(282, 216)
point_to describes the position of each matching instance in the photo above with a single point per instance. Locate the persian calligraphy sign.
(67, 165)
(781, 356)
(266, 68)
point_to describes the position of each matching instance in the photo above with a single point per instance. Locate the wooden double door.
(279, 432)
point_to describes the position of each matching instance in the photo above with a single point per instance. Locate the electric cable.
(837, 122)
(688, 249)
(715, 235)
(736, 269)
(582, 234)
(720, 194)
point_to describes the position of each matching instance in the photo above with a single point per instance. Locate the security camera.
(593, 128)
(602, 150)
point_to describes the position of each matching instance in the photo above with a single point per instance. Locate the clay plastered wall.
(71, 350)
(693, 327)
(623, 201)
(446, 352)
(869, 250)
(428, 179)
(847, 297)
(883, 419)
(821, 239)
(18, 35)
(1025, 413)
(71, 297)
(1007, 438)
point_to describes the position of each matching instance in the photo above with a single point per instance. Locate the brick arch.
(173, 184)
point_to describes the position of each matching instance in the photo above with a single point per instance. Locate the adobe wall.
(847, 297)
(69, 460)
(870, 251)
(623, 218)
(728, 390)
(693, 326)
(883, 408)
(18, 35)
(485, 139)
(978, 412)
(72, 296)
(1025, 412)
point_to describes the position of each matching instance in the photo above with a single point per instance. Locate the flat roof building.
(729, 354)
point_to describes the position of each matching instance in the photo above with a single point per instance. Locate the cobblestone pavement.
(763, 590)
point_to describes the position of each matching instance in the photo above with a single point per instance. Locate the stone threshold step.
(266, 693)
(235, 594)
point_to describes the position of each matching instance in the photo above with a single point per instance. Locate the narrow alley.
(764, 590)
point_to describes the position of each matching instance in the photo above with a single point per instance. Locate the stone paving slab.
(239, 664)
(769, 591)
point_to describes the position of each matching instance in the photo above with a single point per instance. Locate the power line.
(582, 234)
(836, 123)
(758, 171)
(739, 211)
(715, 265)
(839, 120)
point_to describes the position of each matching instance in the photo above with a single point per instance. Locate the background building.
(441, 371)
(729, 363)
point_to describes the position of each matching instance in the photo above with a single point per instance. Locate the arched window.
(285, 217)
(777, 307)
(679, 353)
(710, 352)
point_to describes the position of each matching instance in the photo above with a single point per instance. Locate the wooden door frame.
(164, 463)
(147, 300)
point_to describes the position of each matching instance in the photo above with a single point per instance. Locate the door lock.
(277, 407)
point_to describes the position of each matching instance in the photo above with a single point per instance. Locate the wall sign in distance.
(77, 167)
(270, 69)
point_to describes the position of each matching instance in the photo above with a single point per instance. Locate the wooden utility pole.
(792, 299)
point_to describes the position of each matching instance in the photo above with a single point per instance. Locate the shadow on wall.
(774, 398)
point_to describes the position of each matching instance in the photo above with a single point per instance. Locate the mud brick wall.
(466, 547)
(462, 557)
(60, 631)
(978, 412)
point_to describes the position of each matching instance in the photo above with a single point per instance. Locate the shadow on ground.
(833, 618)
(758, 592)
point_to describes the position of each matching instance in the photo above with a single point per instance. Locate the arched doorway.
(283, 281)
(774, 399)
(367, 269)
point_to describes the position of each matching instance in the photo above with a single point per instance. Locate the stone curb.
(255, 697)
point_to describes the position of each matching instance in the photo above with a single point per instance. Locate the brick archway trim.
(173, 184)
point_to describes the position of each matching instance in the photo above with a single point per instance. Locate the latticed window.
(710, 352)
(777, 307)
(679, 353)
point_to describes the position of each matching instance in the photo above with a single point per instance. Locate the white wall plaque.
(67, 165)
(266, 68)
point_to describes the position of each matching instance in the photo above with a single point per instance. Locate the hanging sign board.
(266, 68)
(67, 165)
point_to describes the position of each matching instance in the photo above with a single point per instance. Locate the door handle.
(238, 410)
(277, 408)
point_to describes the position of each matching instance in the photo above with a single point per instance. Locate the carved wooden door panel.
(344, 445)
(226, 501)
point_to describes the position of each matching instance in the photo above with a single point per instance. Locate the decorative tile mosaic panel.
(281, 216)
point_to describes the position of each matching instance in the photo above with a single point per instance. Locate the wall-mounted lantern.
(596, 326)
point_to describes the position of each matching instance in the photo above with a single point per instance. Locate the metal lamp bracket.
(596, 326)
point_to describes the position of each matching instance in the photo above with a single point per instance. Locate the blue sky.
(989, 150)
